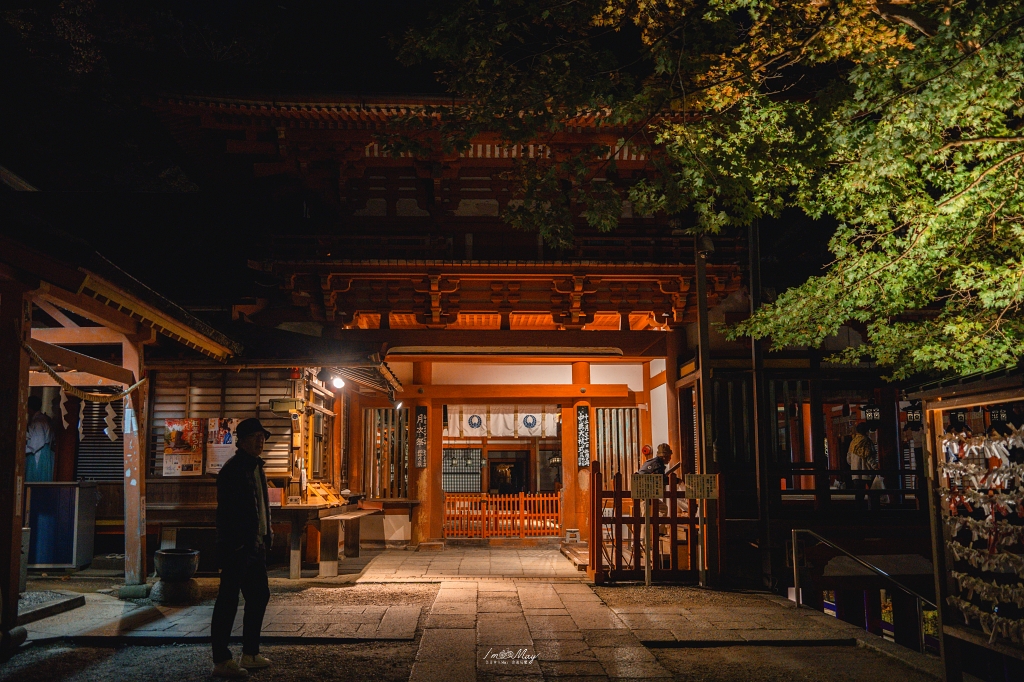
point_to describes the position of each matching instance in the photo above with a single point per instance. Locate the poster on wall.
(421, 436)
(220, 443)
(183, 447)
(583, 435)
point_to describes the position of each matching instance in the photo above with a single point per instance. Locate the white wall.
(451, 373)
(457, 373)
(657, 366)
(659, 415)
(632, 375)
(402, 370)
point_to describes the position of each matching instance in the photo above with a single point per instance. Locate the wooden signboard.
(701, 486)
(583, 435)
(647, 486)
(421, 437)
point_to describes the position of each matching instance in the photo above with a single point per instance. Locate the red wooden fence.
(480, 515)
(617, 533)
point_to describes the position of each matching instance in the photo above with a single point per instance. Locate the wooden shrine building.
(431, 375)
(483, 326)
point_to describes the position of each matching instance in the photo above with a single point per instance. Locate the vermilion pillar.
(576, 479)
(428, 516)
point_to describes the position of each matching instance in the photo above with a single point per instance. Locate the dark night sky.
(112, 175)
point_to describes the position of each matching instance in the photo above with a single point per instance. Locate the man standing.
(38, 443)
(243, 537)
(659, 463)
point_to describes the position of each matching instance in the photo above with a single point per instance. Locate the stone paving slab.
(540, 563)
(106, 618)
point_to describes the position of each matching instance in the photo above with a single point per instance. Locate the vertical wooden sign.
(421, 437)
(583, 435)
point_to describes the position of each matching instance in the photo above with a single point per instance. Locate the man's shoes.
(254, 662)
(230, 670)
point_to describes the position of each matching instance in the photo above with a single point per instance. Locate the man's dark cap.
(247, 427)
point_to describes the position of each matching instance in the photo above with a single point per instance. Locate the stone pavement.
(508, 562)
(485, 628)
(106, 618)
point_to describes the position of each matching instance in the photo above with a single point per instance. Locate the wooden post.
(570, 470)
(15, 328)
(522, 515)
(582, 480)
(822, 495)
(708, 457)
(135, 474)
(435, 445)
(674, 341)
(942, 560)
(646, 436)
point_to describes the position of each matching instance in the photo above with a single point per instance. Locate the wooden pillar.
(422, 373)
(942, 560)
(356, 429)
(15, 328)
(576, 482)
(646, 435)
(581, 373)
(570, 469)
(873, 611)
(822, 496)
(906, 624)
(428, 517)
(675, 346)
(135, 474)
(887, 399)
(708, 456)
(435, 443)
(850, 607)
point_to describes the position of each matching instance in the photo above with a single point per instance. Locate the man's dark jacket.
(238, 513)
(652, 466)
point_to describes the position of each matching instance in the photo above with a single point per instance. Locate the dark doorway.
(508, 477)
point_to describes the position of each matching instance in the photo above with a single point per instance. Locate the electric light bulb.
(338, 382)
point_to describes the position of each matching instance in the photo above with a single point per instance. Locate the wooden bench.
(329, 529)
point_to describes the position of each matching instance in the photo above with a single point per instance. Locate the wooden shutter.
(227, 394)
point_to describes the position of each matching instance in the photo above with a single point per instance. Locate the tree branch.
(915, 20)
(981, 177)
(978, 140)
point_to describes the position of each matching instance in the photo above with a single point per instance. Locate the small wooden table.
(329, 528)
(297, 516)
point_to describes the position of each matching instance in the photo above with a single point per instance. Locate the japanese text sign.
(583, 435)
(421, 436)
(701, 486)
(647, 486)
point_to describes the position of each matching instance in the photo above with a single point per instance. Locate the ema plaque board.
(701, 486)
(647, 486)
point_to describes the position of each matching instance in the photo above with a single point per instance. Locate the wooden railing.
(480, 515)
(617, 530)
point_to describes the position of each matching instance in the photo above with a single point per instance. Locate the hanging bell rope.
(77, 392)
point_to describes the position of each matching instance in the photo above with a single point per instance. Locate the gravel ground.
(783, 664)
(30, 600)
(672, 595)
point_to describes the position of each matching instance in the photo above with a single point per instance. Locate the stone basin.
(176, 565)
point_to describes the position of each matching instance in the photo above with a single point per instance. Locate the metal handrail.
(865, 564)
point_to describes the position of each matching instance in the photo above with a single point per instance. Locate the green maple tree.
(902, 122)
